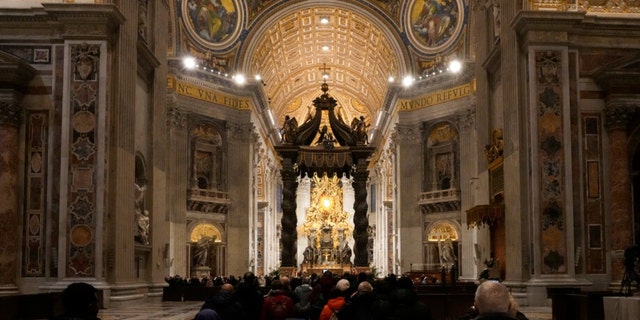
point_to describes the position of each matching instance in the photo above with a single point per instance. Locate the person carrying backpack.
(277, 305)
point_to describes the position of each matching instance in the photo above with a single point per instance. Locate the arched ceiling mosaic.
(294, 51)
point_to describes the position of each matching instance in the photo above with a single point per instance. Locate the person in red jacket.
(277, 305)
(336, 299)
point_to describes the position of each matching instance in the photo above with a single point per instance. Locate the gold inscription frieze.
(206, 94)
(436, 98)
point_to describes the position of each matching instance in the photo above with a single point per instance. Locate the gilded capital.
(10, 114)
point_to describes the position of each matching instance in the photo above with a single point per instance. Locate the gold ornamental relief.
(609, 6)
(205, 230)
(325, 215)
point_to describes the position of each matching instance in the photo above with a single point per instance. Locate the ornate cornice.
(10, 114)
(84, 20)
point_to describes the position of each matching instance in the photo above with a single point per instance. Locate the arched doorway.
(206, 250)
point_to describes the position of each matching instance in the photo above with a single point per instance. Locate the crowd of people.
(344, 297)
(326, 297)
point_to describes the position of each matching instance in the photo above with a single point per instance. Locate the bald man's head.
(227, 287)
(365, 287)
(492, 297)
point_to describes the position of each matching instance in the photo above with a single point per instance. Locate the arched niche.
(437, 237)
(441, 157)
(207, 157)
(216, 254)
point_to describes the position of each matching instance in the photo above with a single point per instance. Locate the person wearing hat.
(336, 299)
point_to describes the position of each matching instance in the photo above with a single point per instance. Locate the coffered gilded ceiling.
(292, 50)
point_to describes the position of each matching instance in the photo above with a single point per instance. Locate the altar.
(327, 230)
(307, 270)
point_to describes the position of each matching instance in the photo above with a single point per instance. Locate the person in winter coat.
(303, 293)
(224, 303)
(363, 304)
(336, 299)
(249, 296)
(403, 303)
(277, 305)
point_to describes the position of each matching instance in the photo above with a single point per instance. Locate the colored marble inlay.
(81, 200)
(593, 202)
(551, 157)
(37, 124)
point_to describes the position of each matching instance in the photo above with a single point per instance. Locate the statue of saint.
(142, 215)
(346, 254)
(309, 255)
(142, 218)
(201, 253)
(359, 128)
(447, 256)
(289, 130)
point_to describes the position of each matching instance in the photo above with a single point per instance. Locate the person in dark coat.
(80, 301)
(224, 303)
(403, 303)
(249, 296)
(363, 304)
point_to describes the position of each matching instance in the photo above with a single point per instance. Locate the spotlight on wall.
(455, 66)
(259, 78)
(407, 81)
(391, 79)
(239, 79)
(324, 20)
(189, 62)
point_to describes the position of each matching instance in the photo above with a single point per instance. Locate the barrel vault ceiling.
(288, 45)
(294, 51)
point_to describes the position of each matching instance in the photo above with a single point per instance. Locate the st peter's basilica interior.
(141, 139)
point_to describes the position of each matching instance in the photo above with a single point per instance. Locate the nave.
(175, 310)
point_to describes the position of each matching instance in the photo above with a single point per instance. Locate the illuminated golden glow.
(325, 211)
(442, 231)
(205, 230)
(326, 203)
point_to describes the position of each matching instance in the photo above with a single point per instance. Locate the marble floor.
(175, 310)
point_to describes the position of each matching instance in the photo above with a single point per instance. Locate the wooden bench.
(31, 306)
(447, 301)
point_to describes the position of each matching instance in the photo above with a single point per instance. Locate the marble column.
(620, 187)
(10, 117)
